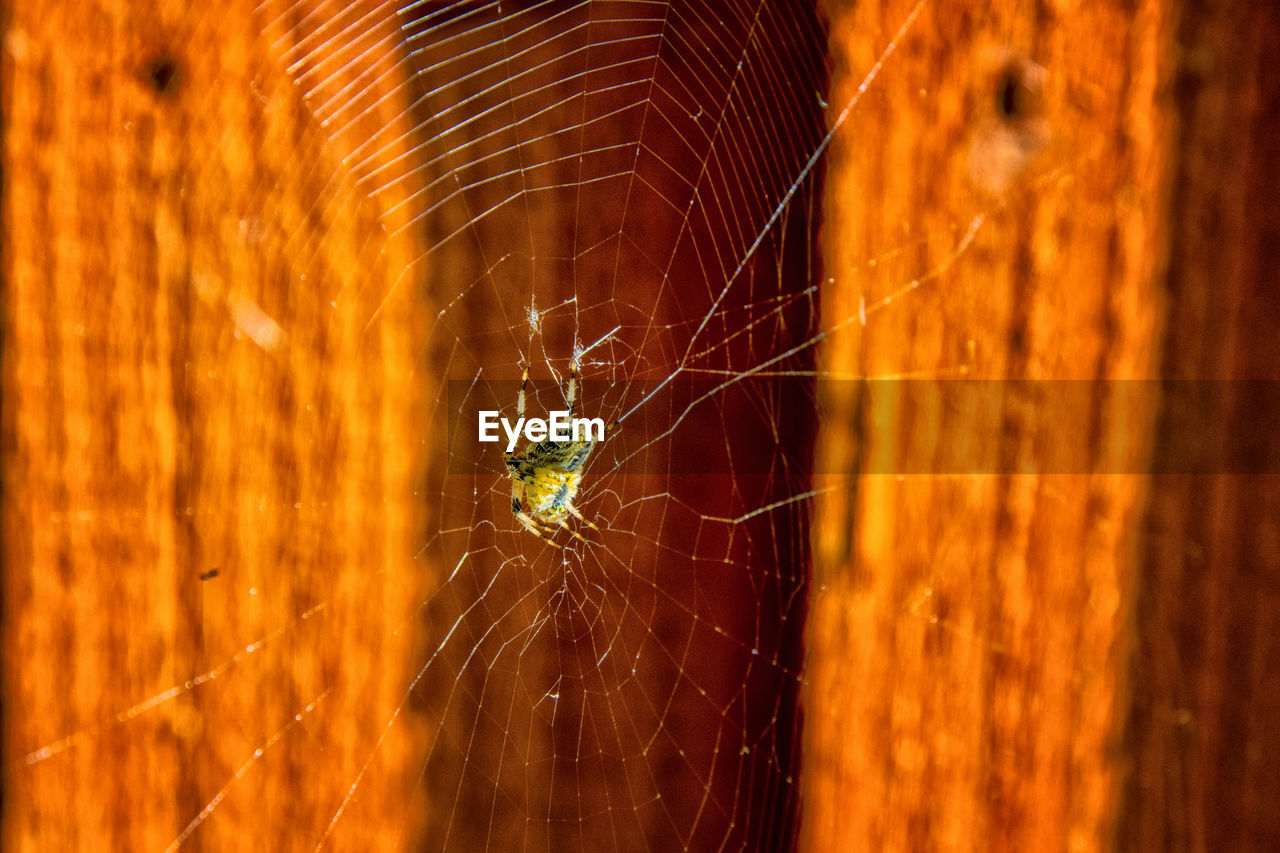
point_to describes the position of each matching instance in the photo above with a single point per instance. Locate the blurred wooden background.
(1008, 662)
(1094, 666)
(202, 445)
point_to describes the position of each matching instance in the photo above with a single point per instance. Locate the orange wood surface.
(206, 440)
(189, 393)
(1065, 661)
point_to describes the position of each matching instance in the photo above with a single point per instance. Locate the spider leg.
(527, 521)
(571, 397)
(571, 400)
(533, 527)
(573, 510)
(524, 380)
(575, 534)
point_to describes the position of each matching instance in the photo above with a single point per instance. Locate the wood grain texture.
(205, 439)
(190, 392)
(1014, 661)
(1203, 725)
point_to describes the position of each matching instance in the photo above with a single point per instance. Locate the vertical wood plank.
(1203, 726)
(209, 460)
(996, 213)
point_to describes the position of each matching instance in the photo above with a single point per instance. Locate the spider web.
(632, 188)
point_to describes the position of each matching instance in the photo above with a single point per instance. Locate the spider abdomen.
(550, 492)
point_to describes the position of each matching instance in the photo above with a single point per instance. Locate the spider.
(545, 478)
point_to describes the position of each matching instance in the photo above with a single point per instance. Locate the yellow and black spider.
(546, 476)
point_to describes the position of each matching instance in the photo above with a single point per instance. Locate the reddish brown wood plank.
(1203, 727)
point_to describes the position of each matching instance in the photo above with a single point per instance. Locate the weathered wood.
(1202, 734)
(206, 440)
(203, 445)
(1014, 661)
